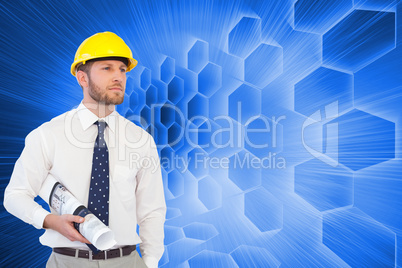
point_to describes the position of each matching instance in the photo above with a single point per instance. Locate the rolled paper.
(64, 202)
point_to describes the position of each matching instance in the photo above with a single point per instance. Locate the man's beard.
(102, 97)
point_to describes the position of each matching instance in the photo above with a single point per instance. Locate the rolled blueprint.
(63, 202)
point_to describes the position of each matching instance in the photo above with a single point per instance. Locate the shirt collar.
(88, 118)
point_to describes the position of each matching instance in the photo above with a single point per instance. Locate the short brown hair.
(87, 66)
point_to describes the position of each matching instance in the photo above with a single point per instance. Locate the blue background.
(331, 68)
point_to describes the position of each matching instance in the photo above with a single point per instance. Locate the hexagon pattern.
(176, 183)
(318, 17)
(176, 90)
(268, 214)
(210, 79)
(370, 93)
(358, 39)
(198, 109)
(263, 65)
(209, 136)
(198, 56)
(242, 104)
(323, 186)
(375, 4)
(263, 136)
(212, 259)
(323, 87)
(210, 193)
(245, 37)
(213, 79)
(145, 80)
(173, 234)
(364, 139)
(167, 70)
(353, 229)
(200, 231)
(379, 195)
(242, 173)
(258, 257)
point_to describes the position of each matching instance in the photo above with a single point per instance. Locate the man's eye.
(123, 70)
(106, 68)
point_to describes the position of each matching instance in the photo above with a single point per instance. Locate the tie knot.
(101, 126)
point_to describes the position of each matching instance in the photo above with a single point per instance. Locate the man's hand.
(64, 224)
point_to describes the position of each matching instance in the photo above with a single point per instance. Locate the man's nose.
(119, 76)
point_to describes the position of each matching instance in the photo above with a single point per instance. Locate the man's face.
(107, 81)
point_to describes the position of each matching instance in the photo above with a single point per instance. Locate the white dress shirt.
(63, 148)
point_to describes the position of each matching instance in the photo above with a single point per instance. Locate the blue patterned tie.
(98, 200)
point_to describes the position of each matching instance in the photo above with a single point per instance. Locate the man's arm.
(30, 171)
(151, 209)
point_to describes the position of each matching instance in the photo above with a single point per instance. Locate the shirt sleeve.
(29, 172)
(151, 207)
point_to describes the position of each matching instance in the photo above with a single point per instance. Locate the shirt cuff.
(39, 217)
(150, 262)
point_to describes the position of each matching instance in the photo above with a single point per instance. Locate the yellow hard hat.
(102, 45)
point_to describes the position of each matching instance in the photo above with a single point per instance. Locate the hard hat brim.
(131, 63)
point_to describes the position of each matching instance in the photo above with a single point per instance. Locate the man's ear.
(82, 78)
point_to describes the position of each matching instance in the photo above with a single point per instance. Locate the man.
(99, 156)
